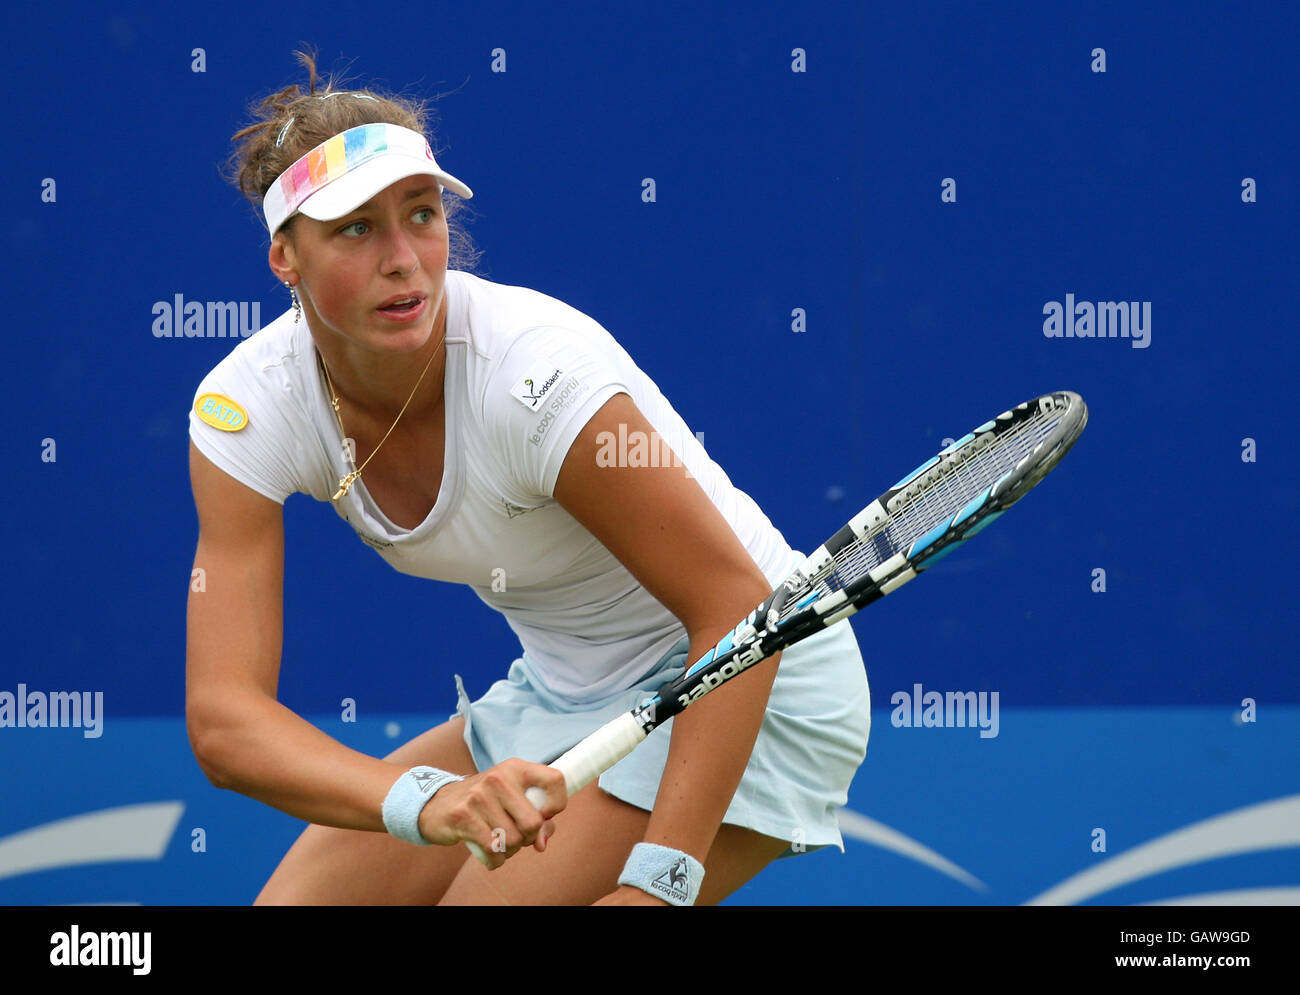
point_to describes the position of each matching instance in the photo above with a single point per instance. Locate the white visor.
(344, 172)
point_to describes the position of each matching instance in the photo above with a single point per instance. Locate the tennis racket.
(921, 519)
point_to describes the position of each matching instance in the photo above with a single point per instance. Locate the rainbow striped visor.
(342, 173)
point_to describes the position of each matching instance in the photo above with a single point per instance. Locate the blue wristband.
(664, 873)
(407, 798)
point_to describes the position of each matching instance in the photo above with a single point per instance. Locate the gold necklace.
(346, 481)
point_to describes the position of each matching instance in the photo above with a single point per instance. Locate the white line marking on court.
(1245, 896)
(1271, 825)
(859, 827)
(132, 832)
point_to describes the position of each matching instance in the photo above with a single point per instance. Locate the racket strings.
(973, 471)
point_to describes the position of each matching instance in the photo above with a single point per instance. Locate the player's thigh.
(737, 856)
(583, 859)
(330, 866)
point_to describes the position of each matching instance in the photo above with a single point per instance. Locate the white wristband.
(407, 798)
(664, 873)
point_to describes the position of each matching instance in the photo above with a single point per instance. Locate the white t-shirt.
(524, 374)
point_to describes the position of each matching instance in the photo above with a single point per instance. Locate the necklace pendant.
(345, 484)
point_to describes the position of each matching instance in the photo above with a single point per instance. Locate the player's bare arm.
(663, 527)
(247, 741)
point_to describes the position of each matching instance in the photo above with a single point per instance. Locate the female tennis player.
(466, 431)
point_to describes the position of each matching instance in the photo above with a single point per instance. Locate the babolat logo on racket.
(530, 391)
(742, 661)
(221, 412)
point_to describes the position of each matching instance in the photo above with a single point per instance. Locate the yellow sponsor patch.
(220, 412)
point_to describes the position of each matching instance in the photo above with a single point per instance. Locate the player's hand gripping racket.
(921, 519)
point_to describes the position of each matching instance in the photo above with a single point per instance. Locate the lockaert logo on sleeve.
(531, 390)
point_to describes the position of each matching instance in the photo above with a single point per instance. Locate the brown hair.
(300, 120)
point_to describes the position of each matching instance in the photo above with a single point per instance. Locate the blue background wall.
(776, 190)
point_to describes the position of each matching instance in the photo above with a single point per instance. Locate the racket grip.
(599, 752)
(585, 762)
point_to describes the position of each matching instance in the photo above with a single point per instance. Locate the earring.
(297, 304)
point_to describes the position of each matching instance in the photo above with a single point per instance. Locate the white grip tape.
(599, 752)
(536, 797)
(585, 762)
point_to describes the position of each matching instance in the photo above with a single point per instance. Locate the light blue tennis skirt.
(812, 741)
